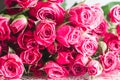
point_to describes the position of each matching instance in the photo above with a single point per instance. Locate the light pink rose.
(49, 11)
(63, 35)
(114, 14)
(109, 61)
(112, 42)
(18, 24)
(11, 66)
(86, 16)
(45, 33)
(94, 68)
(4, 29)
(53, 70)
(27, 3)
(26, 40)
(87, 45)
(101, 29)
(31, 56)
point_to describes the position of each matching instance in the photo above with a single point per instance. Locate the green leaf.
(64, 4)
(108, 6)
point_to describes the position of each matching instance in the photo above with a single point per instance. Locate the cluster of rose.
(41, 38)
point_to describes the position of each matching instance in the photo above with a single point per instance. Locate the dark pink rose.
(101, 29)
(114, 14)
(87, 45)
(112, 42)
(82, 59)
(18, 24)
(63, 35)
(4, 29)
(109, 61)
(94, 68)
(27, 3)
(86, 16)
(11, 66)
(52, 49)
(31, 56)
(10, 3)
(26, 40)
(78, 69)
(45, 33)
(47, 10)
(56, 1)
(53, 70)
(65, 57)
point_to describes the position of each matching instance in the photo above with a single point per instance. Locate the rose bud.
(114, 14)
(26, 40)
(63, 35)
(11, 66)
(18, 24)
(49, 11)
(94, 68)
(53, 70)
(27, 3)
(86, 16)
(109, 61)
(112, 42)
(87, 45)
(78, 69)
(4, 29)
(64, 57)
(31, 56)
(52, 49)
(101, 29)
(45, 33)
(56, 1)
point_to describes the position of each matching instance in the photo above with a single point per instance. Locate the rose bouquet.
(41, 38)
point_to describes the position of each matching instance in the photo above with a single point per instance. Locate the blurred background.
(71, 2)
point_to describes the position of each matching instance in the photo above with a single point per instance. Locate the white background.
(90, 2)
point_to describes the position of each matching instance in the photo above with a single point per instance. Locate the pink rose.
(26, 40)
(11, 66)
(63, 35)
(82, 59)
(45, 33)
(94, 68)
(87, 45)
(65, 57)
(112, 42)
(86, 16)
(31, 56)
(78, 69)
(18, 24)
(4, 29)
(57, 1)
(118, 31)
(109, 61)
(53, 70)
(27, 3)
(49, 11)
(114, 14)
(101, 29)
